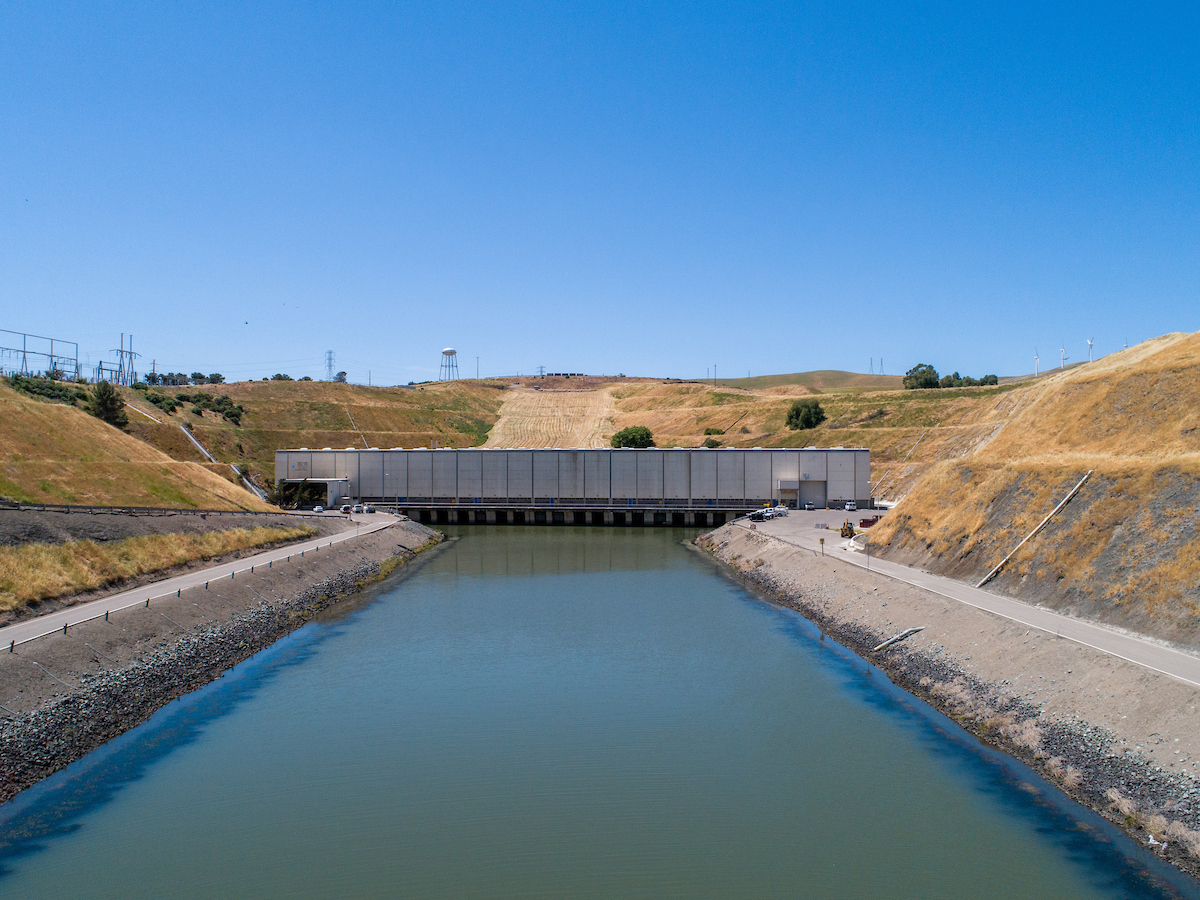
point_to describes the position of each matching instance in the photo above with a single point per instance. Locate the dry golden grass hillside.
(1127, 547)
(54, 453)
(282, 414)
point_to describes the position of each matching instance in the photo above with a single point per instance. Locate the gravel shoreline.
(965, 667)
(128, 669)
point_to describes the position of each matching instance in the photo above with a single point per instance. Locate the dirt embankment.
(1116, 737)
(1125, 551)
(45, 526)
(65, 695)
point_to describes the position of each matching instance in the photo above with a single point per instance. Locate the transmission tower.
(329, 363)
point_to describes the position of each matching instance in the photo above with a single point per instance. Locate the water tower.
(449, 370)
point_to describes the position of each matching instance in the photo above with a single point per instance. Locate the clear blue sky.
(638, 188)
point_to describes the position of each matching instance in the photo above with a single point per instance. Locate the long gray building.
(601, 486)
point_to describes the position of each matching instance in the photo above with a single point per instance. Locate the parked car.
(781, 510)
(358, 507)
(809, 506)
(851, 506)
(318, 509)
(345, 508)
(368, 508)
(759, 515)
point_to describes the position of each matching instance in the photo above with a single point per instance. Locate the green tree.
(106, 404)
(805, 414)
(920, 377)
(638, 436)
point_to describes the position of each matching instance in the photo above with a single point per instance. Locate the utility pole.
(477, 368)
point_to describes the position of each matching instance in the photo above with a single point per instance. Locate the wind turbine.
(1090, 342)
(1062, 352)
(1035, 362)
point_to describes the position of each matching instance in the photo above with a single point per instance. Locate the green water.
(555, 712)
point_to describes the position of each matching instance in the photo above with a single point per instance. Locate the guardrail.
(144, 602)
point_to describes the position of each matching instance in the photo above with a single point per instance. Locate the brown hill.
(1127, 547)
(54, 453)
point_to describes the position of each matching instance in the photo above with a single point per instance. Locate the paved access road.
(52, 622)
(799, 529)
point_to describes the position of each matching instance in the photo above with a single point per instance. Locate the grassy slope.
(32, 572)
(821, 380)
(53, 453)
(1127, 548)
(280, 414)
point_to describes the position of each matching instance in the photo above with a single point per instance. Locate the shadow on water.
(55, 807)
(1115, 860)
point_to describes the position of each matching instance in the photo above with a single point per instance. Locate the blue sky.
(641, 188)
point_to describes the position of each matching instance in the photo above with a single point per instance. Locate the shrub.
(637, 436)
(306, 378)
(278, 376)
(713, 431)
(163, 402)
(106, 404)
(140, 386)
(711, 443)
(920, 377)
(743, 430)
(48, 388)
(805, 414)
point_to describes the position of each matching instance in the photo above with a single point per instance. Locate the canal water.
(558, 712)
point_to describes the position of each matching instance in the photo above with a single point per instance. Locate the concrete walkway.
(799, 530)
(19, 633)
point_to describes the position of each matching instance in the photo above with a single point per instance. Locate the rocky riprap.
(41, 742)
(1079, 758)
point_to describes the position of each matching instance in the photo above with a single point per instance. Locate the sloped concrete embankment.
(65, 695)
(1114, 736)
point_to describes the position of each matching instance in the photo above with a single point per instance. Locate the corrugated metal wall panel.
(595, 474)
(520, 474)
(570, 474)
(676, 481)
(420, 473)
(731, 474)
(758, 476)
(445, 473)
(323, 465)
(841, 476)
(650, 475)
(370, 474)
(545, 473)
(785, 464)
(470, 474)
(624, 473)
(862, 474)
(395, 474)
(704, 474)
(495, 474)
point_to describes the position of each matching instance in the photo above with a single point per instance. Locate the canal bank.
(1117, 737)
(66, 694)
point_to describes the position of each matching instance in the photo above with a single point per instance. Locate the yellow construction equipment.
(847, 530)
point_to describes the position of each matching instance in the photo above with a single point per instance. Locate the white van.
(851, 506)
